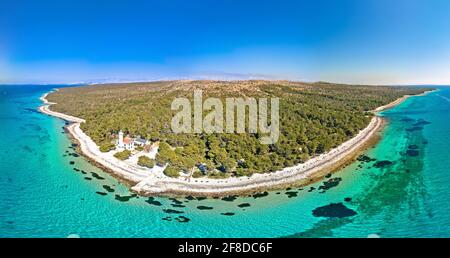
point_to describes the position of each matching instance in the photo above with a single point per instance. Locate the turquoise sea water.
(41, 195)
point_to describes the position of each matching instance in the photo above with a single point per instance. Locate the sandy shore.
(154, 182)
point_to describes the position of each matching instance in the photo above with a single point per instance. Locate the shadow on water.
(396, 188)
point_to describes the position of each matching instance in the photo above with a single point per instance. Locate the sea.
(398, 188)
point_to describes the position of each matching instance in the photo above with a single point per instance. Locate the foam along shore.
(145, 182)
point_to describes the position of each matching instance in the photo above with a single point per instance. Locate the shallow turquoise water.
(41, 195)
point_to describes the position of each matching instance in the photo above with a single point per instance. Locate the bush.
(197, 174)
(123, 155)
(172, 171)
(107, 146)
(145, 161)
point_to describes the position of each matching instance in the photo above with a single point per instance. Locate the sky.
(348, 41)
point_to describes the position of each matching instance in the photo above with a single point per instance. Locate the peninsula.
(323, 126)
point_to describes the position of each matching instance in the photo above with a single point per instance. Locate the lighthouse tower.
(120, 142)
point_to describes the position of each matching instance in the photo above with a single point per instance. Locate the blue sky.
(351, 41)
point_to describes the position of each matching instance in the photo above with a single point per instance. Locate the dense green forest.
(314, 117)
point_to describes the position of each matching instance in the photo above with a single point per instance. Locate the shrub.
(197, 174)
(107, 146)
(145, 161)
(123, 155)
(172, 171)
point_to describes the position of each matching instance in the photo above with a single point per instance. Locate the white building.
(125, 143)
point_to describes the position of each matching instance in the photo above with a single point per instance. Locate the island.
(125, 129)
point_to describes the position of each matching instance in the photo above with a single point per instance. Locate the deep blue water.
(43, 195)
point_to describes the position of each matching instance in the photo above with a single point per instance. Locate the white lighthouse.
(120, 141)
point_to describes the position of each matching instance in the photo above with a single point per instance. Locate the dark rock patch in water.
(291, 194)
(347, 199)
(124, 198)
(97, 176)
(168, 218)
(101, 193)
(407, 119)
(364, 158)
(333, 210)
(170, 211)
(152, 201)
(108, 188)
(76, 169)
(330, 183)
(182, 219)
(414, 128)
(177, 205)
(328, 175)
(243, 205)
(383, 163)
(201, 207)
(201, 198)
(75, 155)
(412, 153)
(72, 162)
(312, 188)
(190, 198)
(260, 195)
(175, 201)
(230, 198)
(87, 178)
(413, 147)
(421, 122)
(228, 213)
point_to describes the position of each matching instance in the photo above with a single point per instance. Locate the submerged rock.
(175, 201)
(414, 128)
(364, 158)
(108, 188)
(101, 193)
(332, 182)
(124, 198)
(333, 210)
(97, 176)
(170, 211)
(383, 163)
(291, 194)
(260, 195)
(201, 207)
(152, 201)
(421, 122)
(230, 198)
(182, 219)
(243, 205)
(412, 153)
(228, 213)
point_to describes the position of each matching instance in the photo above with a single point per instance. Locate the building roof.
(141, 140)
(127, 140)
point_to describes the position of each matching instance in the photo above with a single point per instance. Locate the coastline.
(156, 183)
